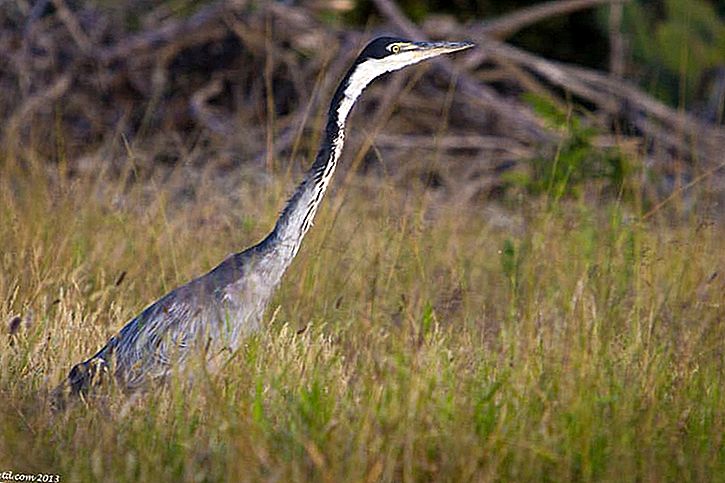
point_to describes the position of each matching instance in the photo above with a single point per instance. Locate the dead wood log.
(507, 25)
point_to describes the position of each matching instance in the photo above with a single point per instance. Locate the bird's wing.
(148, 345)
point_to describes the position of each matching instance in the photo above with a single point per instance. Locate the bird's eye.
(395, 48)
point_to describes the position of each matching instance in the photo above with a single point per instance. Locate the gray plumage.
(210, 315)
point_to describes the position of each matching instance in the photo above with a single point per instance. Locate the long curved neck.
(297, 217)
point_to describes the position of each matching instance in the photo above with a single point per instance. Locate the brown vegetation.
(245, 82)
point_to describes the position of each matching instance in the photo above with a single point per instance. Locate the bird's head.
(387, 54)
(382, 55)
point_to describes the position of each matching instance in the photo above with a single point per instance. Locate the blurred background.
(583, 98)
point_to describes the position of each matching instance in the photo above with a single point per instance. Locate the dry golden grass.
(411, 340)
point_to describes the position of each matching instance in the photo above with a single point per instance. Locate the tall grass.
(411, 340)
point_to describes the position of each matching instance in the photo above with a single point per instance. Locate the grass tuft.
(409, 341)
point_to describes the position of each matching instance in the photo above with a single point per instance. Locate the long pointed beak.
(437, 48)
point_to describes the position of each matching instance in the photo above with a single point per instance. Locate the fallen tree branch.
(673, 129)
(74, 28)
(35, 102)
(168, 32)
(450, 142)
(206, 114)
(518, 116)
(712, 171)
(507, 25)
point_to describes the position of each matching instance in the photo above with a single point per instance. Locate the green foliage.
(427, 318)
(486, 409)
(577, 161)
(674, 47)
(510, 262)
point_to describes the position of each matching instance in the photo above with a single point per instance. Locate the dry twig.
(507, 25)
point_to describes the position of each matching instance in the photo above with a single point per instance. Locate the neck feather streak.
(299, 213)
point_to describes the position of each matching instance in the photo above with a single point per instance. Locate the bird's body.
(211, 314)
